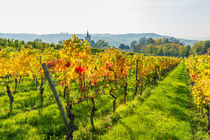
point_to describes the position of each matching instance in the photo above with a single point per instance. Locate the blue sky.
(179, 18)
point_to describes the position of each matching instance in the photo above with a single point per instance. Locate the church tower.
(88, 37)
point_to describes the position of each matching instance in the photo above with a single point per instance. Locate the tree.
(133, 45)
(61, 42)
(143, 41)
(160, 41)
(198, 48)
(38, 40)
(188, 50)
(207, 47)
(101, 44)
(151, 49)
(123, 46)
(174, 40)
(150, 41)
(166, 40)
(139, 48)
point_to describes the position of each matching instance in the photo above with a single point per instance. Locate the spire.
(87, 33)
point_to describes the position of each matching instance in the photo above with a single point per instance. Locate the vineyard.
(72, 93)
(198, 68)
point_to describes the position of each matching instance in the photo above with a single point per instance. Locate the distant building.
(88, 38)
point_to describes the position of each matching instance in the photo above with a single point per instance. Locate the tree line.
(169, 47)
(148, 46)
(37, 44)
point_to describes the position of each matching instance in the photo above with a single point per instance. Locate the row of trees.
(153, 46)
(101, 44)
(149, 46)
(169, 47)
(161, 47)
(37, 44)
(201, 48)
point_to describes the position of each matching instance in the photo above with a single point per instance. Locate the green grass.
(29, 120)
(162, 112)
(166, 114)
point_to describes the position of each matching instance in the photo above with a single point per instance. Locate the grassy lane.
(166, 114)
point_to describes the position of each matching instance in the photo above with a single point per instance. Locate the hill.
(113, 39)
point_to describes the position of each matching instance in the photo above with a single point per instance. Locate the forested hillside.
(112, 39)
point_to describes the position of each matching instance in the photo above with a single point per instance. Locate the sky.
(188, 19)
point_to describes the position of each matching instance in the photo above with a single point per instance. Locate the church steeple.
(88, 37)
(88, 34)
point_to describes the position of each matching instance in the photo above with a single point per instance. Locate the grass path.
(166, 114)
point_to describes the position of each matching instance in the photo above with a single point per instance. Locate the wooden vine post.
(11, 98)
(114, 101)
(64, 92)
(43, 80)
(71, 116)
(52, 86)
(92, 113)
(208, 116)
(16, 82)
(125, 90)
(137, 62)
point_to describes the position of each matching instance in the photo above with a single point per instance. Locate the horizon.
(106, 34)
(187, 19)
